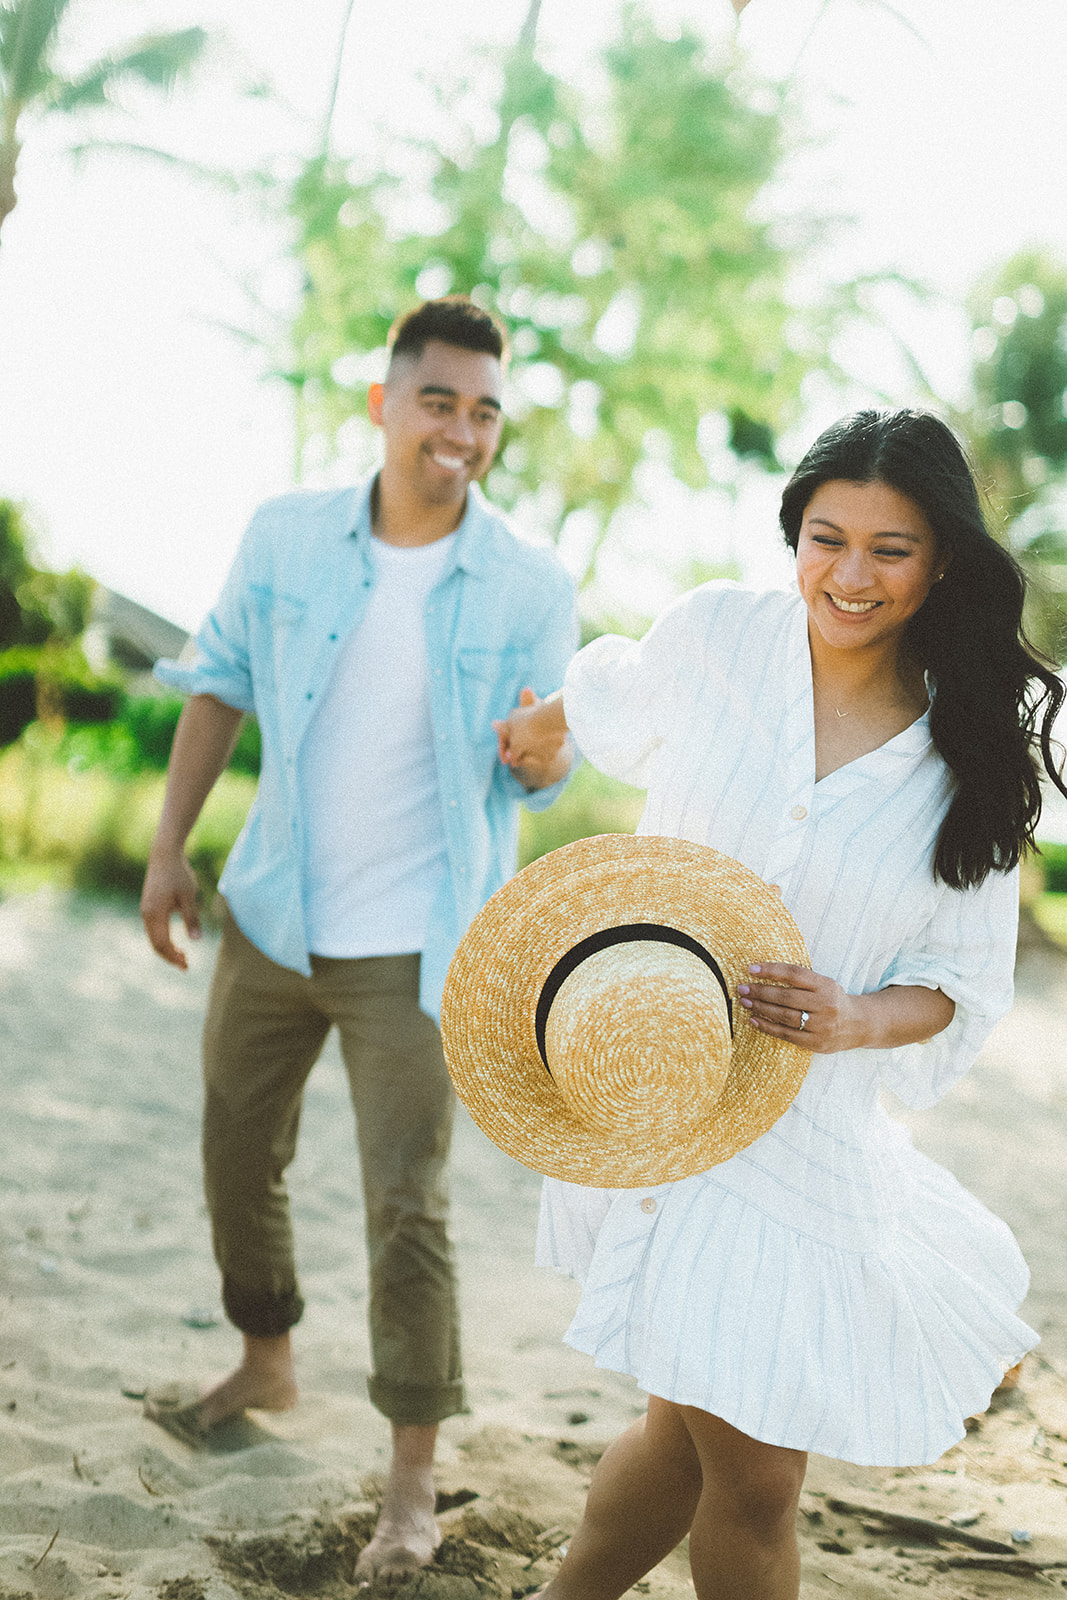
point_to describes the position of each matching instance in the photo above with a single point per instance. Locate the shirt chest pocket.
(276, 626)
(487, 683)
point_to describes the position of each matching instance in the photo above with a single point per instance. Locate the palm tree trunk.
(528, 35)
(9, 155)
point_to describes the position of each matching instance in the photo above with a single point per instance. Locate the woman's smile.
(866, 558)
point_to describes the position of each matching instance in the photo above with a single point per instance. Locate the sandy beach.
(107, 1289)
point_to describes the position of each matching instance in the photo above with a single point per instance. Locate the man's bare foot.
(407, 1534)
(265, 1380)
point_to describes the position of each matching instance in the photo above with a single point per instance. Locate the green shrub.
(18, 693)
(139, 739)
(91, 827)
(82, 703)
(590, 804)
(150, 721)
(59, 679)
(247, 750)
(1053, 864)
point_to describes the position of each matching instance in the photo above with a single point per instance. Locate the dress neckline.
(911, 740)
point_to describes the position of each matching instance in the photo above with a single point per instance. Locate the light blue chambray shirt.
(502, 617)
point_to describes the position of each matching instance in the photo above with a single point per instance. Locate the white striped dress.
(829, 1288)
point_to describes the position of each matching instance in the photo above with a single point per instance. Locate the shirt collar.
(471, 546)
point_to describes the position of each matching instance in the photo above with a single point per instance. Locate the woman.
(868, 743)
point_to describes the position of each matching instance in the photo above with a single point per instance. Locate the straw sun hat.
(590, 1017)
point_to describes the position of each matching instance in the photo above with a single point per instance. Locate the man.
(376, 633)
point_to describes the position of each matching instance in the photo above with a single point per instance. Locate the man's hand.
(532, 741)
(203, 743)
(169, 886)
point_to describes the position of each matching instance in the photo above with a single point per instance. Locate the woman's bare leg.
(743, 1544)
(680, 1470)
(641, 1501)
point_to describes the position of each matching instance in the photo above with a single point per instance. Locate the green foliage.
(92, 828)
(139, 737)
(150, 721)
(18, 693)
(614, 229)
(91, 825)
(1017, 425)
(590, 804)
(36, 607)
(31, 84)
(54, 682)
(156, 59)
(1053, 864)
(1019, 419)
(1050, 914)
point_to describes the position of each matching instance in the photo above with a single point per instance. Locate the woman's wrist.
(899, 1014)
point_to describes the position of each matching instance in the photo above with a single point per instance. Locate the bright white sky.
(141, 432)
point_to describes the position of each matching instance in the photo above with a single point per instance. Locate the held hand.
(797, 1004)
(532, 741)
(169, 886)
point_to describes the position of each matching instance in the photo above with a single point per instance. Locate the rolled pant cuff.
(414, 1406)
(263, 1316)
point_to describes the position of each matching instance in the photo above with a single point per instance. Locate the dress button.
(798, 813)
(648, 1205)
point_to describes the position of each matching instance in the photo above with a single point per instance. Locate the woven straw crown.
(590, 1020)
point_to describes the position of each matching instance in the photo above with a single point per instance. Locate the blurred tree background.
(34, 84)
(626, 228)
(1017, 425)
(615, 225)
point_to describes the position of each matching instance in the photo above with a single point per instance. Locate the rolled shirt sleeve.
(221, 663)
(967, 950)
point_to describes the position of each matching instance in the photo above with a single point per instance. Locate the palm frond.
(232, 182)
(156, 59)
(27, 29)
(905, 22)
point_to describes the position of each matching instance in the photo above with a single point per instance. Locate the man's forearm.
(203, 744)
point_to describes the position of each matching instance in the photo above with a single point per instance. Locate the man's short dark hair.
(455, 320)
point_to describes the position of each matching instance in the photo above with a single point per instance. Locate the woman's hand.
(797, 1004)
(533, 741)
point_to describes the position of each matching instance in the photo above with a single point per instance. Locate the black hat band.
(627, 933)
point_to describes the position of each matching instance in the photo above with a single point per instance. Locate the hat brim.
(490, 1003)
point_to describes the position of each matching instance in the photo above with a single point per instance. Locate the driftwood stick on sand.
(1020, 1566)
(924, 1528)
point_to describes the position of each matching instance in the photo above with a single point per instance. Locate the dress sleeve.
(967, 950)
(220, 665)
(620, 695)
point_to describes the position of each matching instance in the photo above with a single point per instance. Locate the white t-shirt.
(375, 851)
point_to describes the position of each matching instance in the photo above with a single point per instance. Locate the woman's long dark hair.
(995, 699)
